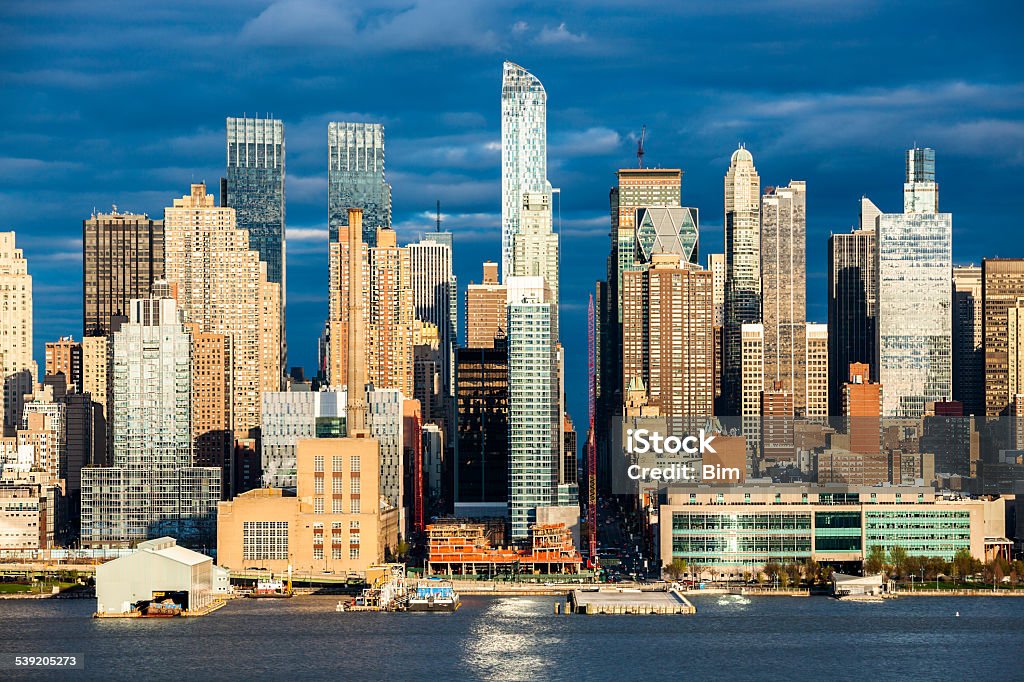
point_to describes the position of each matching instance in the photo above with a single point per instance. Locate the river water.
(520, 638)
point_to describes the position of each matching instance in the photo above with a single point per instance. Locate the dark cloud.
(113, 102)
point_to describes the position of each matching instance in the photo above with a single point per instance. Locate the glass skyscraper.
(524, 151)
(355, 178)
(255, 187)
(915, 295)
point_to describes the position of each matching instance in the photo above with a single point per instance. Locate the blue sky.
(124, 103)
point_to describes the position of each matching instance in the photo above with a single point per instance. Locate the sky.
(107, 102)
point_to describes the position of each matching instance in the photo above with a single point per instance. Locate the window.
(264, 540)
(356, 486)
(318, 505)
(336, 506)
(318, 463)
(353, 552)
(336, 553)
(318, 553)
(354, 507)
(336, 463)
(353, 463)
(318, 485)
(336, 484)
(353, 526)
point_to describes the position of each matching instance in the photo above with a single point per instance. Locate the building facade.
(742, 230)
(485, 309)
(915, 296)
(524, 151)
(1003, 307)
(122, 255)
(355, 178)
(289, 417)
(968, 339)
(17, 368)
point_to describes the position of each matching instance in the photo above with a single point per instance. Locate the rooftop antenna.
(438, 215)
(640, 148)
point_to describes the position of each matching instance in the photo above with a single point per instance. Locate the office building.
(153, 488)
(481, 445)
(347, 255)
(915, 295)
(852, 298)
(220, 284)
(667, 230)
(1002, 303)
(716, 265)
(435, 298)
(122, 255)
(23, 519)
(485, 309)
(94, 369)
(213, 437)
(784, 288)
(385, 424)
(668, 337)
(968, 339)
(17, 368)
(355, 178)
(752, 383)
(740, 530)
(742, 235)
(524, 153)
(428, 374)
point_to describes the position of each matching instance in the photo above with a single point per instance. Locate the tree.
(772, 569)
(963, 562)
(793, 573)
(898, 559)
(676, 569)
(875, 561)
(812, 570)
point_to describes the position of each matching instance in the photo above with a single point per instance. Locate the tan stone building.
(389, 314)
(336, 523)
(17, 368)
(94, 368)
(486, 316)
(65, 357)
(221, 286)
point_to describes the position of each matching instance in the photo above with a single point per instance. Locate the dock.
(620, 602)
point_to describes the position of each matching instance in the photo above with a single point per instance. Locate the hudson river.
(520, 638)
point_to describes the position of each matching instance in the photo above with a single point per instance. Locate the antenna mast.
(640, 148)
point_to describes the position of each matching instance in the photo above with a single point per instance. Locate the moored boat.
(434, 594)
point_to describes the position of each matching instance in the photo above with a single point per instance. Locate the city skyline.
(845, 137)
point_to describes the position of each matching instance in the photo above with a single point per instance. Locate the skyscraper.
(668, 336)
(535, 246)
(17, 368)
(255, 189)
(220, 286)
(915, 295)
(485, 309)
(852, 299)
(524, 151)
(123, 254)
(435, 294)
(816, 403)
(355, 178)
(534, 421)
(152, 489)
(716, 265)
(968, 340)
(481, 446)
(65, 357)
(742, 228)
(389, 315)
(1003, 299)
(784, 289)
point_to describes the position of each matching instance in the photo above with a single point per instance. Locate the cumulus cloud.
(590, 142)
(559, 35)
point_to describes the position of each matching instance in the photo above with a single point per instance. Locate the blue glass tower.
(355, 178)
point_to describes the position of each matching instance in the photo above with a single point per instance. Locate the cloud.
(371, 26)
(559, 35)
(307, 234)
(590, 142)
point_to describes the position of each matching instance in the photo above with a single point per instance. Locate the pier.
(621, 602)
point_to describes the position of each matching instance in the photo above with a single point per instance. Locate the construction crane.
(640, 148)
(591, 448)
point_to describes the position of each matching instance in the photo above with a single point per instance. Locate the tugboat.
(270, 589)
(434, 594)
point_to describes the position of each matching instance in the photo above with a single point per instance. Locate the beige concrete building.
(221, 286)
(65, 357)
(336, 523)
(486, 315)
(740, 529)
(94, 368)
(17, 368)
(212, 433)
(389, 314)
(23, 518)
(816, 370)
(346, 258)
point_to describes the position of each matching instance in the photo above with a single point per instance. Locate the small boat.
(270, 589)
(434, 594)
